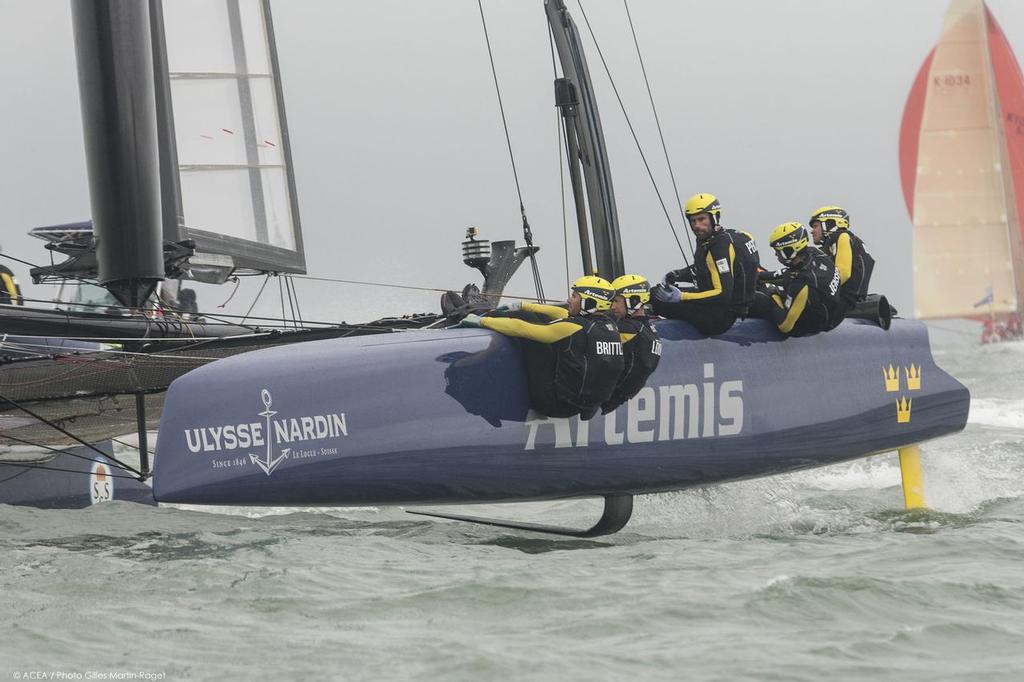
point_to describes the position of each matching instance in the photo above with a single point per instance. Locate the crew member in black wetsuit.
(574, 357)
(723, 273)
(830, 227)
(10, 292)
(640, 345)
(804, 299)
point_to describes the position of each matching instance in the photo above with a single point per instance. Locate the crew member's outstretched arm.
(544, 333)
(551, 311)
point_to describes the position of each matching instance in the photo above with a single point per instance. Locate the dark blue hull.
(68, 481)
(73, 480)
(442, 417)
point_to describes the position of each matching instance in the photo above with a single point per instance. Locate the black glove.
(680, 275)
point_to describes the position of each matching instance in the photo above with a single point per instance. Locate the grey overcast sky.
(775, 106)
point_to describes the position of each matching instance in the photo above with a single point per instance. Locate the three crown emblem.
(912, 377)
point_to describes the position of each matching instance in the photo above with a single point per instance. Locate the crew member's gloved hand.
(471, 320)
(665, 294)
(512, 307)
(673, 276)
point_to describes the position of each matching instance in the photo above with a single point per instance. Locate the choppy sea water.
(800, 577)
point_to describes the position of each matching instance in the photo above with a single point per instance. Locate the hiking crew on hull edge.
(573, 356)
(805, 297)
(723, 273)
(830, 227)
(640, 345)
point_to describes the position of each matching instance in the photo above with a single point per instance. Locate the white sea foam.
(1007, 414)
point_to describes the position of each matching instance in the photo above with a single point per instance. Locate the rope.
(657, 121)
(527, 232)
(295, 292)
(72, 436)
(55, 450)
(280, 295)
(258, 294)
(69, 471)
(402, 286)
(629, 123)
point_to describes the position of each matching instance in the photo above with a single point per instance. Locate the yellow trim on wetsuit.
(552, 311)
(844, 257)
(796, 309)
(625, 337)
(544, 333)
(716, 281)
(10, 287)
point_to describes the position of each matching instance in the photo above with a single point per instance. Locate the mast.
(587, 155)
(115, 78)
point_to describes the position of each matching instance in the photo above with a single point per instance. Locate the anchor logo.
(269, 462)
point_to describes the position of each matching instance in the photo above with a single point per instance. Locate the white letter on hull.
(641, 408)
(709, 401)
(198, 445)
(684, 413)
(730, 402)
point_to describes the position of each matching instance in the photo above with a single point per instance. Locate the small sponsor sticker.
(722, 264)
(101, 483)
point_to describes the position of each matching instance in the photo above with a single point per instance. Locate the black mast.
(115, 79)
(574, 95)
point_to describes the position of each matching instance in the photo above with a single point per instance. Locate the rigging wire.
(233, 292)
(404, 286)
(295, 292)
(258, 294)
(632, 131)
(58, 451)
(71, 435)
(67, 471)
(657, 121)
(219, 319)
(280, 294)
(527, 232)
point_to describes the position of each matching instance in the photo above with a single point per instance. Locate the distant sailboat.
(962, 169)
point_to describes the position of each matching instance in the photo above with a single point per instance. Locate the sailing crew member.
(805, 297)
(10, 292)
(574, 357)
(723, 273)
(641, 348)
(830, 227)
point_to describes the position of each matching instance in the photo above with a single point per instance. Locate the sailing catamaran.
(962, 168)
(442, 415)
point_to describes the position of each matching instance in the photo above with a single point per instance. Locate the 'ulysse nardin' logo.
(268, 463)
(261, 442)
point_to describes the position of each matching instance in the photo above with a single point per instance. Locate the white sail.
(963, 200)
(231, 145)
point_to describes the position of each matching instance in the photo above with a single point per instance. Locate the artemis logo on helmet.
(256, 434)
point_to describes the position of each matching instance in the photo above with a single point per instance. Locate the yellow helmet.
(831, 218)
(788, 239)
(597, 293)
(704, 203)
(635, 289)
